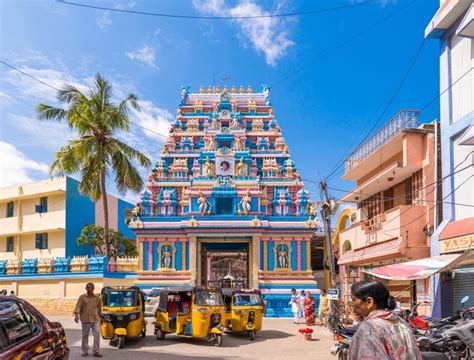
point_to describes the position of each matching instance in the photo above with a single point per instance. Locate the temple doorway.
(224, 263)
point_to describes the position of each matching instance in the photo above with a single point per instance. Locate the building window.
(10, 242)
(388, 199)
(43, 206)
(41, 241)
(10, 209)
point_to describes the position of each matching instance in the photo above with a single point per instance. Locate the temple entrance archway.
(224, 260)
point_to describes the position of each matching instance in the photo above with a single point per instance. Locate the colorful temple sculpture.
(225, 202)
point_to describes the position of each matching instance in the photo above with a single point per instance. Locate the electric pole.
(326, 213)
(327, 210)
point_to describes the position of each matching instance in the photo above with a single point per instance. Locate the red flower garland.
(306, 331)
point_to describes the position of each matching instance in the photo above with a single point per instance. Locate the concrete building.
(39, 258)
(453, 26)
(43, 219)
(394, 171)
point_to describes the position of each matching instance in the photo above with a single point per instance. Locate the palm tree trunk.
(106, 216)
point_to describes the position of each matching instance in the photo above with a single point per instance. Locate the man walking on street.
(88, 310)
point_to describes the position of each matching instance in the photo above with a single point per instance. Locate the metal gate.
(462, 284)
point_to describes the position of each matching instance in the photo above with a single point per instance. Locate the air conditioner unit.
(360, 215)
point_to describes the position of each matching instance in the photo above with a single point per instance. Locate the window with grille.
(10, 243)
(41, 241)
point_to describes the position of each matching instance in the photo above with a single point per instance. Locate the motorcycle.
(452, 336)
(343, 335)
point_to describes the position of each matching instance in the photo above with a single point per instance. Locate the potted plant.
(307, 333)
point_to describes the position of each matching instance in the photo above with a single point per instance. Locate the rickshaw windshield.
(121, 298)
(247, 299)
(208, 298)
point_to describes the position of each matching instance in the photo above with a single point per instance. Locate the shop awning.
(423, 268)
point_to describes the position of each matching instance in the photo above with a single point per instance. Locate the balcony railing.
(405, 119)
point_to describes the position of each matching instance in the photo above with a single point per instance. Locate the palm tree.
(96, 153)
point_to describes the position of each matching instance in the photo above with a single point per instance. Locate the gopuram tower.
(225, 202)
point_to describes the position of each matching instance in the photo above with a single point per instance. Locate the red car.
(26, 334)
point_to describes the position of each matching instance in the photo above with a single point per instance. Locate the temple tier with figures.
(226, 202)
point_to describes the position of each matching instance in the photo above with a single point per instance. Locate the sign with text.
(333, 294)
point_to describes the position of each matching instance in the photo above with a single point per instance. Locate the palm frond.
(47, 112)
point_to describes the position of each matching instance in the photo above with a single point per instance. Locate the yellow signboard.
(457, 244)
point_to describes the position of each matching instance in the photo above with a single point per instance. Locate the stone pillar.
(192, 259)
(183, 255)
(255, 260)
(265, 255)
(308, 254)
(150, 255)
(140, 254)
(298, 254)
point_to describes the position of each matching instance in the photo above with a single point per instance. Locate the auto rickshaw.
(190, 312)
(122, 314)
(244, 311)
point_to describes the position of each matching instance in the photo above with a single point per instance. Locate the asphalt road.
(279, 339)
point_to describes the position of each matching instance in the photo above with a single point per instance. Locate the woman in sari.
(382, 335)
(309, 309)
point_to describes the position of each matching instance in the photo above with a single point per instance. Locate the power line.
(397, 90)
(429, 103)
(431, 208)
(55, 88)
(453, 172)
(343, 43)
(178, 16)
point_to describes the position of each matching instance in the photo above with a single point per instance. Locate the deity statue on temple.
(282, 257)
(137, 211)
(234, 124)
(209, 143)
(208, 168)
(245, 203)
(166, 258)
(204, 204)
(241, 168)
(233, 105)
(215, 125)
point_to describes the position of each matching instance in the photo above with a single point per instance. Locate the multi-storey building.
(225, 201)
(453, 25)
(394, 171)
(43, 219)
(39, 257)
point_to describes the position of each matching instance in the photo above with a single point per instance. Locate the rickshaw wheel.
(252, 335)
(143, 333)
(217, 340)
(160, 335)
(121, 341)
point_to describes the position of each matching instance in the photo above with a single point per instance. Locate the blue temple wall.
(179, 254)
(293, 255)
(271, 259)
(155, 258)
(145, 256)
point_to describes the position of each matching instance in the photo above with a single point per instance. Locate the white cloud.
(145, 54)
(154, 118)
(104, 20)
(29, 88)
(5, 99)
(267, 35)
(53, 134)
(16, 167)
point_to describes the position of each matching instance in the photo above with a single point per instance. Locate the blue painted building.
(453, 27)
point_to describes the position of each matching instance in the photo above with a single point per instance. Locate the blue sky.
(320, 109)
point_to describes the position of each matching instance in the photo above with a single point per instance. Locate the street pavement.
(279, 339)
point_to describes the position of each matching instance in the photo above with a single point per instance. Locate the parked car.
(25, 333)
(152, 302)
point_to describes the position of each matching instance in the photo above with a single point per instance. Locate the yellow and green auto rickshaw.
(244, 311)
(122, 314)
(190, 312)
